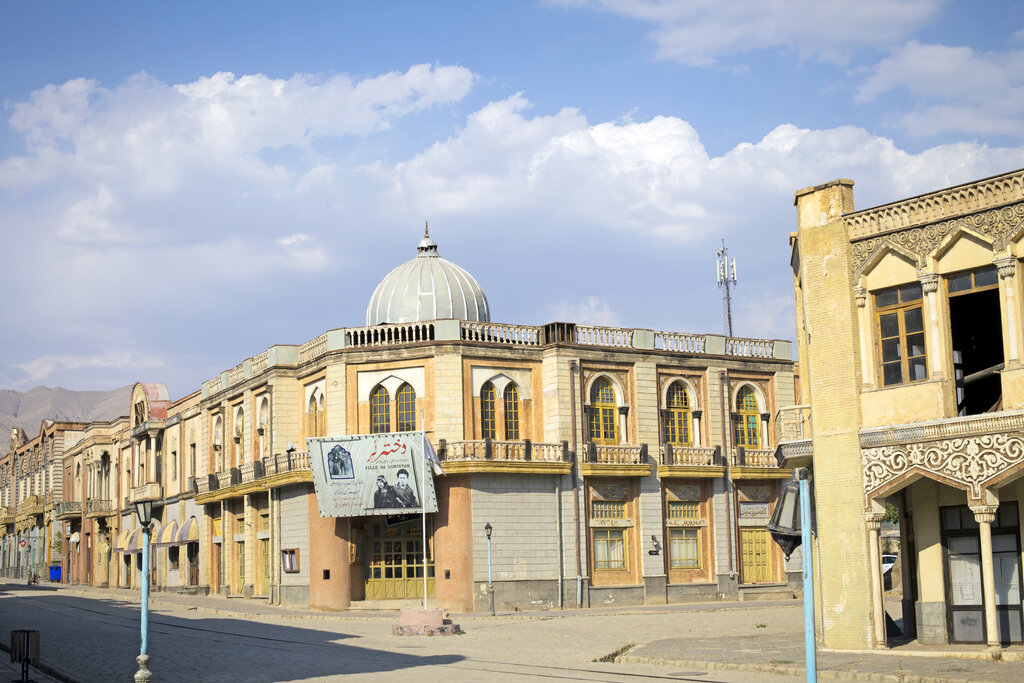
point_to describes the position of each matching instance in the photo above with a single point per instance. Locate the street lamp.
(490, 584)
(790, 526)
(144, 509)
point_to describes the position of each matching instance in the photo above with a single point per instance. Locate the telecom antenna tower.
(726, 268)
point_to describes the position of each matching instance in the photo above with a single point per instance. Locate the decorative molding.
(609, 492)
(970, 463)
(1007, 266)
(862, 296)
(754, 493)
(686, 493)
(1000, 225)
(984, 514)
(929, 282)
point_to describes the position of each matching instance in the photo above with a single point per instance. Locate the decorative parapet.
(679, 342)
(497, 333)
(973, 425)
(751, 457)
(511, 451)
(150, 491)
(750, 348)
(388, 335)
(592, 335)
(617, 455)
(689, 456)
(259, 363)
(313, 349)
(937, 206)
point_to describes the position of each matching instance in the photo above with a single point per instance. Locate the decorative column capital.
(696, 414)
(929, 282)
(873, 521)
(1007, 266)
(862, 296)
(984, 514)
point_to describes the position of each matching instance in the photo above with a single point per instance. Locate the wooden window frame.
(908, 299)
(747, 419)
(511, 405)
(380, 411)
(290, 560)
(608, 532)
(405, 408)
(603, 418)
(678, 417)
(685, 532)
(488, 414)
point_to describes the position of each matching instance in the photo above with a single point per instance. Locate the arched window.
(512, 413)
(380, 411)
(747, 415)
(315, 415)
(488, 421)
(677, 416)
(603, 409)
(406, 408)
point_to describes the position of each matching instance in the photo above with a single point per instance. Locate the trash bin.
(54, 572)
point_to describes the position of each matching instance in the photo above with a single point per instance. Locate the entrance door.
(192, 553)
(395, 561)
(755, 556)
(264, 563)
(965, 610)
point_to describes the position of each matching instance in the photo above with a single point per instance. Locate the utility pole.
(726, 271)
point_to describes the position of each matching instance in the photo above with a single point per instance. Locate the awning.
(168, 536)
(74, 537)
(189, 532)
(134, 541)
(122, 540)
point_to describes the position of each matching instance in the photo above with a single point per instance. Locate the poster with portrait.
(371, 474)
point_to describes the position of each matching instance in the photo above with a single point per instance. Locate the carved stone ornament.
(1000, 225)
(929, 282)
(984, 514)
(609, 492)
(687, 493)
(1006, 266)
(862, 296)
(754, 493)
(971, 462)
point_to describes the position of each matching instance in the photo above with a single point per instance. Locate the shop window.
(488, 420)
(511, 413)
(406, 409)
(746, 418)
(603, 410)
(901, 334)
(684, 548)
(677, 416)
(172, 557)
(609, 549)
(380, 411)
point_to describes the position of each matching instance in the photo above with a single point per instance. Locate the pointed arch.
(747, 417)
(676, 423)
(380, 410)
(603, 419)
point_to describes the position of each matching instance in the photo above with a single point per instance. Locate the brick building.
(615, 466)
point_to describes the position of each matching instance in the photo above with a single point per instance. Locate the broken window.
(976, 333)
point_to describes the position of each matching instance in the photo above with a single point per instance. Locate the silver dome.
(427, 288)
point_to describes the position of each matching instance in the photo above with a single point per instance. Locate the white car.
(888, 561)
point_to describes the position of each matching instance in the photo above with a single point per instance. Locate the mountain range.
(28, 409)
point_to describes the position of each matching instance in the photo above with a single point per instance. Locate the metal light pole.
(144, 509)
(490, 584)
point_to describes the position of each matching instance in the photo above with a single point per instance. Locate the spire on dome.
(427, 246)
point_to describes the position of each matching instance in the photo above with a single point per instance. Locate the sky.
(183, 185)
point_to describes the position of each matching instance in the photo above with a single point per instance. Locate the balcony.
(757, 463)
(6, 515)
(793, 427)
(690, 461)
(68, 509)
(33, 505)
(488, 455)
(150, 491)
(627, 460)
(249, 473)
(99, 508)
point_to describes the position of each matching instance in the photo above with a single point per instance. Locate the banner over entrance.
(371, 474)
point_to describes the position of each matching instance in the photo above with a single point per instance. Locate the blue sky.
(183, 185)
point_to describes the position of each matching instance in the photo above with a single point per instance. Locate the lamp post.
(144, 509)
(490, 584)
(790, 526)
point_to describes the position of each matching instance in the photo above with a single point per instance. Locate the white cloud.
(45, 366)
(590, 311)
(701, 32)
(958, 89)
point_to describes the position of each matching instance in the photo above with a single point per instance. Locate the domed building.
(612, 464)
(427, 288)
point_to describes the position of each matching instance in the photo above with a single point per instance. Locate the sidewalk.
(745, 636)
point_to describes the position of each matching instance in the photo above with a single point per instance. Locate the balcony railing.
(68, 508)
(617, 455)
(33, 505)
(150, 491)
(793, 423)
(510, 451)
(253, 471)
(689, 455)
(6, 515)
(937, 430)
(751, 457)
(96, 506)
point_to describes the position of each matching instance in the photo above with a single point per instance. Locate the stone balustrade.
(513, 451)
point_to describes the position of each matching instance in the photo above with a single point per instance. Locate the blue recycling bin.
(55, 572)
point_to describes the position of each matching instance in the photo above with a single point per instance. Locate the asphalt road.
(97, 639)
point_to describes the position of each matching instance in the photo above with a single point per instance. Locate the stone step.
(385, 604)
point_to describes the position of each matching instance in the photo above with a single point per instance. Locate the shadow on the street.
(98, 639)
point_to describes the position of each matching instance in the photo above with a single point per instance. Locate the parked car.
(888, 562)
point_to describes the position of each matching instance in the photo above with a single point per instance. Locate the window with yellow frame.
(901, 349)
(488, 419)
(677, 416)
(748, 433)
(603, 421)
(406, 408)
(380, 411)
(511, 412)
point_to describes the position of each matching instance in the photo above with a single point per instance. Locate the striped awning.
(168, 536)
(189, 532)
(134, 541)
(122, 540)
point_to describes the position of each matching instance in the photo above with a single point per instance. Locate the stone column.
(1007, 284)
(764, 430)
(930, 288)
(696, 414)
(151, 461)
(867, 370)
(874, 523)
(985, 515)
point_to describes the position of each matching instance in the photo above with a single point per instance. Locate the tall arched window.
(380, 411)
(406, 408)
(315, 415)
(603, 409)
(512, 413)
(747, 415)
(488, 421)
(677, 416)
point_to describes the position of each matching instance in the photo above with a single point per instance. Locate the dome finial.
(426, 230)
(427, 246)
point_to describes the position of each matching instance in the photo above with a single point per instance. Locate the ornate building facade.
(614, 466)
(910, 329)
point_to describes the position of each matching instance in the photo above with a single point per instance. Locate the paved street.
(93, 635)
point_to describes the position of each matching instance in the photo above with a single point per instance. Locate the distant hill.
(27, 409)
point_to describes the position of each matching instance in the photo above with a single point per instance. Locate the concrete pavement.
(735, 641)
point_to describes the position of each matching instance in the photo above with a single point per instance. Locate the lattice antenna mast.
(726, 271)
